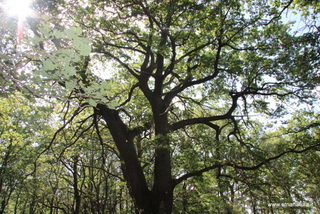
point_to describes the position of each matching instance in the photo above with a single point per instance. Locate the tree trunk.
(76, 191)
(162, 191)
(160, 199)
(132, 169)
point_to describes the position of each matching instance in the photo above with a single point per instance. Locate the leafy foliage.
(163, 106)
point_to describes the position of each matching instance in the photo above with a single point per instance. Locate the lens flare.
(21, 10)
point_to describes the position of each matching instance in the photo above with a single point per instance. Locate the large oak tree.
(180, 85)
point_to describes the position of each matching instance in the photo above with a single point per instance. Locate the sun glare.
(19, 8)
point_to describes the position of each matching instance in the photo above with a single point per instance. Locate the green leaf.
(48, 65)
(70, 85)
(92, 102)
(82, 45)
(70, 71)
(76, 30)
(113, 104)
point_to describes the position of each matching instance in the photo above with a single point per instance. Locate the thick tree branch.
(199, 120)
(170, 95)
(200, 47)
(130, 94)
(235, 166)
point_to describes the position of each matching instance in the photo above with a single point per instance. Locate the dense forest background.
(141, 106)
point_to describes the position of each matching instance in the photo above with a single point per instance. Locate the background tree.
(20, 136)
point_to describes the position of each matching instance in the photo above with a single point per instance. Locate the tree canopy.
(137, 106)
